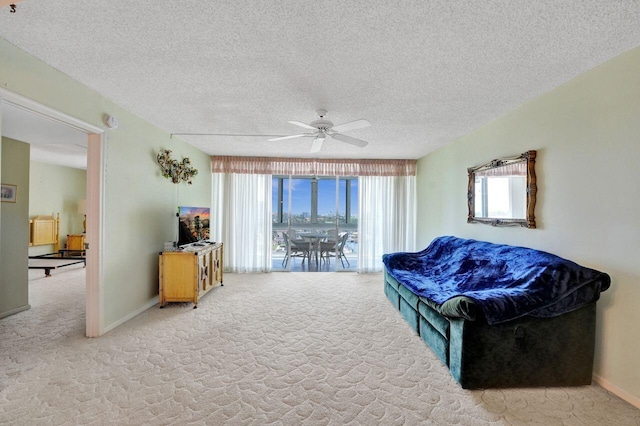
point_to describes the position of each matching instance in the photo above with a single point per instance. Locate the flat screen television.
(193, 224)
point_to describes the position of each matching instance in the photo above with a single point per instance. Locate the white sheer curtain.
(386, 218)
(242, 220)
(242, 206)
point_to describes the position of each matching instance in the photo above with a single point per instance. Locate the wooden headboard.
(45, 230)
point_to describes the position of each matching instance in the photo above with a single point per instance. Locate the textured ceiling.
(422, 72)
(51, 142)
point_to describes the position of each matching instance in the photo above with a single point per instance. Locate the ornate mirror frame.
(530, 222)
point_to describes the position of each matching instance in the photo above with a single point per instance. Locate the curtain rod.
(224, 134)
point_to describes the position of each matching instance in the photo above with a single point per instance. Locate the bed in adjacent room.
(45, 230)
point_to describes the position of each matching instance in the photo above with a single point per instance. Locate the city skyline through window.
(314, 200)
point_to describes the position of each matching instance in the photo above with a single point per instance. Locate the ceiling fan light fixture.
(322, 124)
(323, 128)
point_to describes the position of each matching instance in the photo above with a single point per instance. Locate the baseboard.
(15, 311)
(631, 399)
(150, 304)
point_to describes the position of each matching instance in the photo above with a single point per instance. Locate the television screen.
(193, 224)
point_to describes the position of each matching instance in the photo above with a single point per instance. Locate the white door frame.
(95, 201)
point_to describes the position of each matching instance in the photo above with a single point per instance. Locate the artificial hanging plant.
(175, 170)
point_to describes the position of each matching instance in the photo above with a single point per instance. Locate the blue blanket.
(506, 282)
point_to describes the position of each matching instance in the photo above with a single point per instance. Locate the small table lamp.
(82, 209)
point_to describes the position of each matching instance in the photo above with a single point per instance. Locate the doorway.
(315, 223)
(28, 121)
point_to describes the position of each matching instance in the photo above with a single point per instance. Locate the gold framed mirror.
(503, 191)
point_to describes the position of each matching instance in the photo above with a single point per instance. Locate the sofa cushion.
(434, 340)
(392, 295)
(438, 322)
(411, 298)
(410, 314)
(461, 307)
(390, 280)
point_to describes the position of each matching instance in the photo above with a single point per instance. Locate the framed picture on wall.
(8, 193)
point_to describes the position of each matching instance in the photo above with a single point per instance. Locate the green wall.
(14, 229)
(57, 189)
(140, 205)
(587, 134)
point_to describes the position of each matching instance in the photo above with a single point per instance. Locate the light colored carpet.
(321, 348)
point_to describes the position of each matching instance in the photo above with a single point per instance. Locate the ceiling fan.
(322, 128)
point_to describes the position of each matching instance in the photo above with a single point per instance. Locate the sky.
(301, 196)
(203, 212)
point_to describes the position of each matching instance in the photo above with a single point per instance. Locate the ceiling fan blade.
(352, 125)
(349, 139)
(306, 126)
(317, 144)
(287, 137)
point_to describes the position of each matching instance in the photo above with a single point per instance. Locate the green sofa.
(525, 352)
(499, 315)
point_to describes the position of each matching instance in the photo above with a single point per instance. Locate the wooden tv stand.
(187, 275)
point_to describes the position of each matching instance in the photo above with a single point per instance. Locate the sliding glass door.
(315, 222)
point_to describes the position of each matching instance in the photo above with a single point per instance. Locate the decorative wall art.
(175, 170)
(8, 194)
(503, 191)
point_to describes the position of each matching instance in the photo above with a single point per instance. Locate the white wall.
(587, 134)
(140, 209)
(140, 205)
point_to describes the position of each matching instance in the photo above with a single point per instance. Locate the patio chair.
(328, 249)
(295, 248)
(332, 235)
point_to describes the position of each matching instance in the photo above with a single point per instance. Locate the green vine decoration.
(174, 170)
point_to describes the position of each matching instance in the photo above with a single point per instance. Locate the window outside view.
(314, 219)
